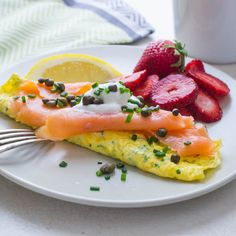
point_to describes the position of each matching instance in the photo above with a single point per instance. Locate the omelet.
(138, 152)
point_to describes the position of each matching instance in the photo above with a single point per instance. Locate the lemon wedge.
(73, 68)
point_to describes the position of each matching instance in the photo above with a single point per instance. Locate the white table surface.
(23, 212)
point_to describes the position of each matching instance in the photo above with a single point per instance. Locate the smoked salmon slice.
(189, 142)
(68, 122)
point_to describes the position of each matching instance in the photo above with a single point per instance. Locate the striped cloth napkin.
(30, 27)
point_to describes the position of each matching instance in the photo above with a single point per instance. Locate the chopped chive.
(94, 188)
(99, 173)
(134, 101)
(134, 137)
(63, 164)
(99, 162)
(158, 153)
(178, 171)
(64, 94)
(95, 85)
(187, 143)
(107, 177)
(106, 90)
(165, 149)
(121, 82)
(152, 140)
(123, 177)
(16, 97)
(23, 99)
(120, 165)
(31, 96)
(124, 170)
(129, 118)
(124, 90)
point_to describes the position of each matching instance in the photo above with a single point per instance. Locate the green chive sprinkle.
(133, 101)
(178, 171)
(99, 162)
(152, 140)
(124, 170)
(120, 165)
(99, 173)
(158, 153)
(107, 177)
(23, 99)
(187, 143)
(94, 85)
(123, 177)
(63, 164)
(94, 188)
(165, 149)
(129, 118)
(16, 97)
(31, 96)
(134, 137)
(106, 90)
(124, 90)
(122, 83)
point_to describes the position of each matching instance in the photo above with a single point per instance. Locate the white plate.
(36, 167)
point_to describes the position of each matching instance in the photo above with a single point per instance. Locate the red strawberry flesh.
(205, 108)
(133, 80)
(208, 82)
(174, 91)
(145, 88)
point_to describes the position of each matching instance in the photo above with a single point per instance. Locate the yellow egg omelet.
(121, 146)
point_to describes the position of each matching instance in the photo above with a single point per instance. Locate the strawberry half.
(205, 108)
(208, 82)
(162, 58)
(174, 91)
(133, 80)
(145, 88)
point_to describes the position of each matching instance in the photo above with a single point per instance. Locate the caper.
(73, 103)
(98, 101)
(70, 97)
(62, 100)
(175, 158)
(87, 100)
(162, 132)
(175, 112)
(145, 112)
(112, 88)
(61, 87)
(49, 82)
(141, 99)
(64, 94)
(41, 80)
(51, 103)
(45, 100)
(141, 105)
(120, 165)
(107, 168)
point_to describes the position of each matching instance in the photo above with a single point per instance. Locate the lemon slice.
(73, 68)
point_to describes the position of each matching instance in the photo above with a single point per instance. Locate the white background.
(23, 212)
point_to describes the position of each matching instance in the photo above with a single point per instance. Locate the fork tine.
(17, 134)
(9, 146)
(7, 131)
(13, 140)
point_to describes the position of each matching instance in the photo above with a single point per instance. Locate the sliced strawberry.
(210, 83)
(145, 88)
(133, 80)
(184, 111)
(205, 108)
(174, 91)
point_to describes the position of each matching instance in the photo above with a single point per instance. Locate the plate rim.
(109, 203)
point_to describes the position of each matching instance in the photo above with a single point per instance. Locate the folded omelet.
(120, 145)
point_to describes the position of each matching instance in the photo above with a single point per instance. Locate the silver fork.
(13, 138)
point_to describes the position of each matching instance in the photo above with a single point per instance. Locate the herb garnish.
(63, 164)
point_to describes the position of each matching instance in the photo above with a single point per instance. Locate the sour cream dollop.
(112, 100)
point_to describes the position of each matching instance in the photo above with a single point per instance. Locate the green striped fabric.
(31, 27)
